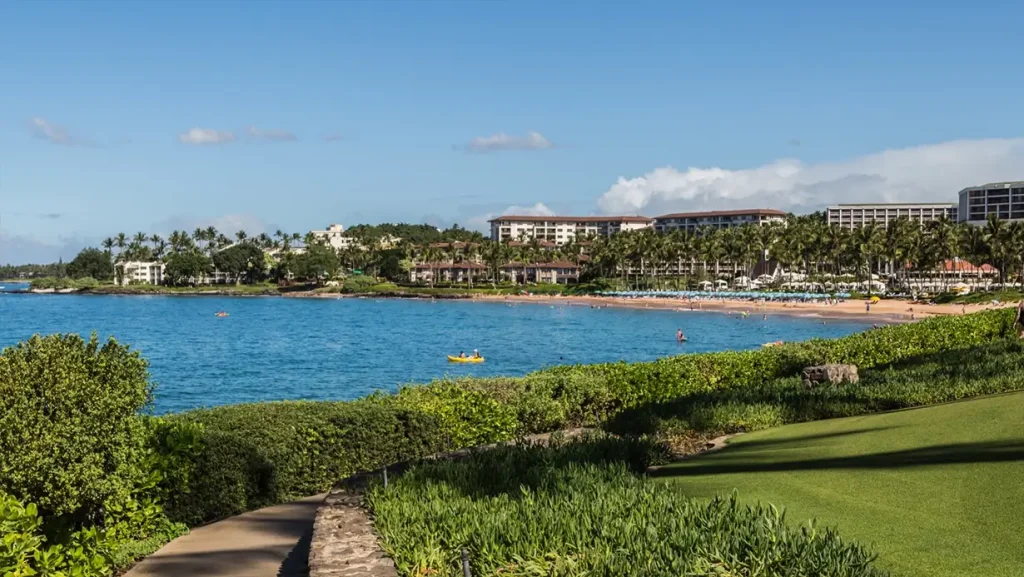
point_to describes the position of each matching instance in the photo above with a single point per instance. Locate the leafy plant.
(578, 509)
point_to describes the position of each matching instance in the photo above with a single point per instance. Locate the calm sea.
(283, 348)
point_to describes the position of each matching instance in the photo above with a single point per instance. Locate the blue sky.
(129, 116)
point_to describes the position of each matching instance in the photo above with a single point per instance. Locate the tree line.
(802, 244)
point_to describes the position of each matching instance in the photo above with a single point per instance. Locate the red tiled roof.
(642, 219)
(964, 266)
(714, 213)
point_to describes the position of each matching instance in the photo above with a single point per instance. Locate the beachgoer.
(680, 337)
(764, 318)
(867, 306)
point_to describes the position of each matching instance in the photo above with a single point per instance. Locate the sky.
(152, 116)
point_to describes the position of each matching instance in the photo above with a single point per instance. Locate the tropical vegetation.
(582, 508)
(89, 481)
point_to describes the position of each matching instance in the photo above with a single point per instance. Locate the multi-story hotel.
(855, 215)
(562, 229)
(1004, 200)
(691, 221)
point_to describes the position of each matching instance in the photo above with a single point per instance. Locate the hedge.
(253, 455)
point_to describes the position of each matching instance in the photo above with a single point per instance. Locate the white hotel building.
(856, 215)
(1004, 200)
(693, 221)
(562, 229)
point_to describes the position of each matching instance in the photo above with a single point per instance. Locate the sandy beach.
(889, 311)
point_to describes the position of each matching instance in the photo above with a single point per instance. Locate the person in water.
(680, 337)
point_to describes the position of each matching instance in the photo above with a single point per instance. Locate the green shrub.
(929, 379)
(24, 552)
(359, 283)
(575, 510)
(69, 437)
(254, 455)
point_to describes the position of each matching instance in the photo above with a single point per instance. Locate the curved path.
(271, 542)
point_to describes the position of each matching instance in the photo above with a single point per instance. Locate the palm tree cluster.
(810, 246)
(143, 247)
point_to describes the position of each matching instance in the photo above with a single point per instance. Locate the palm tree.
(241, 236)
(868, 241)
(121, 241)
(108, 244)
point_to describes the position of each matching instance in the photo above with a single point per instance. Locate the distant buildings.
(856, 215)
(334, 236)
(562, 229)
(137, 272)
(692, 221)
(1004, 200)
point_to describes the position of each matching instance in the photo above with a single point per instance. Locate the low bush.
(942, 377)
(254, 455)
(578, 509)
(69, 437)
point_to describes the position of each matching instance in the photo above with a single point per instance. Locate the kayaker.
(462, 354)
(476, 354)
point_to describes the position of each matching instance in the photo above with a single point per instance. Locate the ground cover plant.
(934, 490)
(581, 509)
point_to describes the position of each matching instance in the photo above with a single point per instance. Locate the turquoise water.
(287, 348)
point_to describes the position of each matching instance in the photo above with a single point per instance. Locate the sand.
(888, 310)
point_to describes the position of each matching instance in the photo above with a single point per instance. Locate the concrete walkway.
(271, 542)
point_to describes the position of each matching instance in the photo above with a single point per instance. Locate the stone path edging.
(344, 543)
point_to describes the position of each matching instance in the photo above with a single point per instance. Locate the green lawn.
(937, 491)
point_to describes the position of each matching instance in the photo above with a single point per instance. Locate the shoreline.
(886, 310)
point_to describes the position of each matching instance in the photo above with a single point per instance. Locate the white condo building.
(692, 221)
(562, 229)
(137, 272)
(1004, 200)
(334, 235)
(855, 215)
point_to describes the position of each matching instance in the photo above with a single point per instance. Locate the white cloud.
(24, 249)
(502, 141)
(205, 136)
(56, 134)
(929, 173)
(272, 135)
(481, 222)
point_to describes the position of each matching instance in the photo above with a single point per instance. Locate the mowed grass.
(937, 491)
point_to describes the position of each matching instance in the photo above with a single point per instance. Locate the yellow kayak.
(452, 359)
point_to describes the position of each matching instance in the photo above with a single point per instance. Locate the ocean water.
(288, 348)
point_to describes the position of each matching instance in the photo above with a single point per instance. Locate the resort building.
(692, 221)
(459, 272)
(1004, 200)
(138, 272)
(855, 215)
(562, 272)
(334, 235)
(562, 229)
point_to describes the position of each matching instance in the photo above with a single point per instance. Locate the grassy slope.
(939, 490)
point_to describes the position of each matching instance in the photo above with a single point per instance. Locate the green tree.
(245, 262)
(91, 262)
(187, 267)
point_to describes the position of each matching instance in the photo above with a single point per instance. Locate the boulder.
(830, 374)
